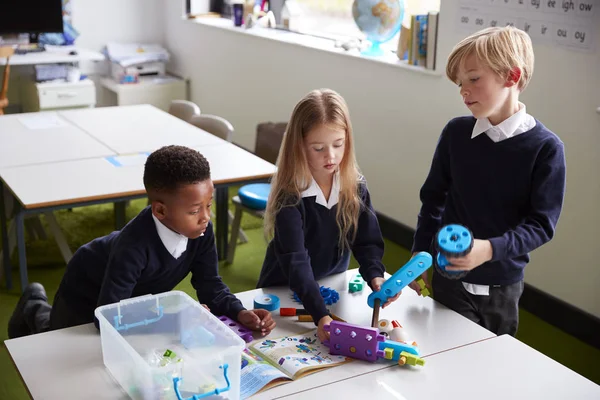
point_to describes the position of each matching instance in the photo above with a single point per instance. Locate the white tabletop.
(43, 137)
(434, 327)
(54, 55)
(499, 368)
(130, 129)
(68, 363)
(64, 364)
(93, 179)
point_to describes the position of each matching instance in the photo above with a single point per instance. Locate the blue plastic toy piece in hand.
(401, 278)
(452, 241)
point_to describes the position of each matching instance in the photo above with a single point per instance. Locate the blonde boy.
(500, 172)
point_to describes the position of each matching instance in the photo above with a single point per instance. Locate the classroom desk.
(68, 363)
(40, 138)
(44, 137)
(138, 128)
(48, 187)
(54, 55)
(496, 369)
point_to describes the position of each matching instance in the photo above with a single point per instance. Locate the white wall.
(99, 22)
(102, 21)
(398, 115)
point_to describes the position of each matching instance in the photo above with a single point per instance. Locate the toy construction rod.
(375, 319)
(412, 270)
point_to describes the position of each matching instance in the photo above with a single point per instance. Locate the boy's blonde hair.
(293, 175)
(501, 49)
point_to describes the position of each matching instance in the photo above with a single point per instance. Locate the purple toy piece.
(238, 328)
(354, 341)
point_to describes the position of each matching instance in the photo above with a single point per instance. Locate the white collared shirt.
(516, 124)
(315, 190)
(174, 242)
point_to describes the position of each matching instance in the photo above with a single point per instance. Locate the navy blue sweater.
(510, 193)
(305, 249)
(134, 262)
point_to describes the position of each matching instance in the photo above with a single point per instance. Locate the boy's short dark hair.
(170, 167)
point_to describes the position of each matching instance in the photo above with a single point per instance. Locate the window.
(333, 18)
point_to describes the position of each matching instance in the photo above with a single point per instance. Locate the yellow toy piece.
(410, 359)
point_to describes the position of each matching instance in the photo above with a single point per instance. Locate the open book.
(271, 362)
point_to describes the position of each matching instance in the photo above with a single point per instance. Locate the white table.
(39, 138)
(496, 369)
(44, 137)
(54, 56)
(48, 187)
(48, 362)
(434, 327)
(136, 128)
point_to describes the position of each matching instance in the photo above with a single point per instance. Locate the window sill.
(309, 41)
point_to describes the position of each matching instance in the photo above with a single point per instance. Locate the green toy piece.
(424, 291)
(356, 284)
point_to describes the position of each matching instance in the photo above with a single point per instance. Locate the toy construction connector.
(410, 359)
(424, 291)
(356, 284)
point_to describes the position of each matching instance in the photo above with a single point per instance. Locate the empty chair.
(213, 124)
(222, 128)
(253, 198)
(184, 109)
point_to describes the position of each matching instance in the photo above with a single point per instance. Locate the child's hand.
(205, 306)
(415, 286)
(321, 332)
(480, 253)
(257, 320)
(376, 285)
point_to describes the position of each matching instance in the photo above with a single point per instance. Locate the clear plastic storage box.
(168, 346)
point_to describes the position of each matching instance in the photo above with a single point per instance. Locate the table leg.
(119, 214)
(222, 222)
(5, 249)
(21, 248)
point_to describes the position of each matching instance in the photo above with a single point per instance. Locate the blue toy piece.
(452, 241)
(398, 348)
(330, 295)
(401, 278)
(268, 302)
(255, 195)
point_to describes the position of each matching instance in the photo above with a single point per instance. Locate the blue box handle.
(117, 318)
(176, 381)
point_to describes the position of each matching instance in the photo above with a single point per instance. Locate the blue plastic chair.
(251, 199)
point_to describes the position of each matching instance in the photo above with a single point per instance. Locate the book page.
(258, 375)
(298, 355)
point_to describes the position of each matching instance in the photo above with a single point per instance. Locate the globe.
(379, 20)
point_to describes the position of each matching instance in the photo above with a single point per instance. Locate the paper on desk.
(42, 121)
(127, 54)
(128, 160)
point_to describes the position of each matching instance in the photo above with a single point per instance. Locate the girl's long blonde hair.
(293, 175)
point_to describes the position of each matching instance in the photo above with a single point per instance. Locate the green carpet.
(81, 225)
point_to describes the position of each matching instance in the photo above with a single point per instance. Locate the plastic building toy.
(356, 284)
(197, 337)
(354, 341)
(401, 278)
(241, 330)
(330, 296)
(424, 291)
(385, 327)
(452, 241)
(268, 302)
(368, 344)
